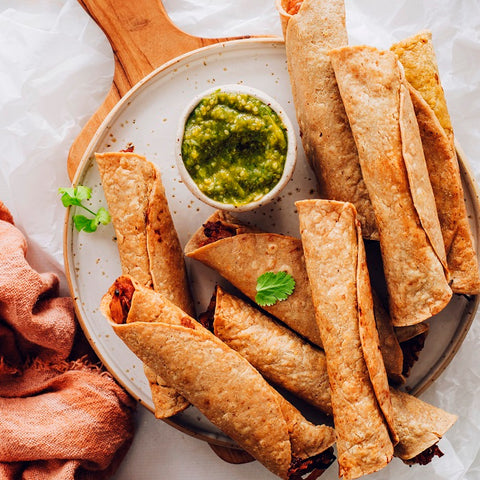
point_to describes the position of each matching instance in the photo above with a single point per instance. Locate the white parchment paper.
(55, 69)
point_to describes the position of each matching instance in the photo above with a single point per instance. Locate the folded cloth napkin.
(61, 417)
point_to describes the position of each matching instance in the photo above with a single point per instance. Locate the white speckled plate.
(147, 118)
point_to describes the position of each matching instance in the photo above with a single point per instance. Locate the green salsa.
(234, 147)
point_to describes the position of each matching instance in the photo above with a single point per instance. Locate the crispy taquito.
(311, 29)
(417, 56)
(287, 360)
(227, 389)
(148, 244)
(337, 270)
(383, 122)
(278, 252)
(241, 254)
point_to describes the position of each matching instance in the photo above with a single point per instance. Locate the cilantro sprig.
(273, 287)
(74, 196)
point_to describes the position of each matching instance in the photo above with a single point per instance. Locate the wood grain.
(142, 38)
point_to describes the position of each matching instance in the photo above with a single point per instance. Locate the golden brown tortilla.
(327, 139)
(284, 358)
(417, 55)
(218, 381)
(277, 352)
(336, 265)
(383, 123)
(242, 260)
(147, 242)
(444, 173)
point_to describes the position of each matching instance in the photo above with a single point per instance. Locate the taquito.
(417, 56)
(317, 27)
(148, 244)
(337, 270)
(383, 122)
(242, 257)
(218, 381)
(242, 260)
(287, 360)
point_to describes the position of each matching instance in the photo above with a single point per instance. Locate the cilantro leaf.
(82, 222)
(273, 287)
(74, 196)
(102, 216)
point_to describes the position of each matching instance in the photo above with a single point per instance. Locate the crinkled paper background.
(55, 69)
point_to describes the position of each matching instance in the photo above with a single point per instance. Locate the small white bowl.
(290, 160)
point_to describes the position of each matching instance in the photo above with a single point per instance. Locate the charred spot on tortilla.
(315, 465)
(187, 322)
(425, 457)
(121, 299)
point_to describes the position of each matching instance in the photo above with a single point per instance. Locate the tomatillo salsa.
(234, 147)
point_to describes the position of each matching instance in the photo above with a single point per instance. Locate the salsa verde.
(234, 147)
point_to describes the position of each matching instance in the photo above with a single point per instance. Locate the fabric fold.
(61, 416)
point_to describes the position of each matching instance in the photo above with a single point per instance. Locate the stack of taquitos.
(284, 358)
(383, 122)
(312, 28)
(417, 56)
(241, 255)
(217, 380)
(147, 243)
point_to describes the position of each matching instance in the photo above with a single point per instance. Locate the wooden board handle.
(142, 38)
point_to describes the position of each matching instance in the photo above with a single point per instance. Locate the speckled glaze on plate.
(147, 119)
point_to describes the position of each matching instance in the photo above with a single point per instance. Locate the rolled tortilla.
(242, 258)
(336, 265)
(277, 352)
(382, 118)
(327, 139)
(417, 56)
(148, 244)
(285, 359)
(241, 255)
(218, 381)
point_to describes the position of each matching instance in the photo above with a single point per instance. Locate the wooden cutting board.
(142, 38)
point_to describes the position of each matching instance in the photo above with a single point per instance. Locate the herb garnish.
(273, 287)
(75, 196)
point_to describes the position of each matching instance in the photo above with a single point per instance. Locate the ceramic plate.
(147, 118)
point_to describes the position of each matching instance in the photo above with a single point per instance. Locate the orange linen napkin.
(61, 417)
